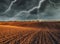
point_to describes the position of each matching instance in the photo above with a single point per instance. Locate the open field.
(30, 32)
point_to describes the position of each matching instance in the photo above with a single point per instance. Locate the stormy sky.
(11, 10)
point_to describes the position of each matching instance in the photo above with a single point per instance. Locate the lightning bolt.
(28, 11)
(36, 7)
(9, 8)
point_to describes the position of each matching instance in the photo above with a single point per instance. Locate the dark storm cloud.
(46, 11)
